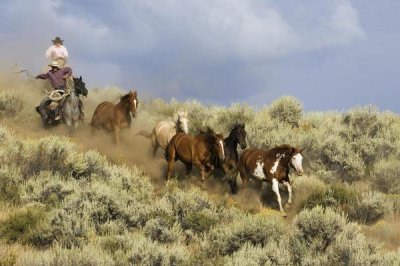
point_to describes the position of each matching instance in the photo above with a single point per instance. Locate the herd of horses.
(207, 150)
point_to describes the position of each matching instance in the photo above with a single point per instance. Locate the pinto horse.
(113, 117)
(271, 166)
(201, 150)
(164, 131)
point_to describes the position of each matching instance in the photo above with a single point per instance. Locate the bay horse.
(201, 150)
(70, 106)
(164, 131)
(271, 166)
(113, 117)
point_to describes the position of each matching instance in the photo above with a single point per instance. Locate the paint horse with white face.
(271, 166)
(164, 131)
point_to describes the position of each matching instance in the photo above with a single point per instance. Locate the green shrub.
(287, 109)
(10, 103)
(352, 248)
(161, 231)
(274, 253)
(338, 196)
(314, 231)
(386, 175)
(10, 181)
(256, 230)
(372, 207)
(145, 252)
(58, 256)
(19, 225)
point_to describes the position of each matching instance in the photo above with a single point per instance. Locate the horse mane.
(284, 149)
(235, 126)
(210, 136)
(125, 97)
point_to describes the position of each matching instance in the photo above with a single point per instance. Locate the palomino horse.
(70, 106)
(113, 117)
(201, 150)
(164, 131)
(271, 166)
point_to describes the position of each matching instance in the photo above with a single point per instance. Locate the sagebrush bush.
(10, 181)
(274, 253)
(19, 225)
(256, 230)
(385, 175)
(337, 196)
(316, 230)
(10, 103)
(372, 207)
(287, 109)
(58, 256)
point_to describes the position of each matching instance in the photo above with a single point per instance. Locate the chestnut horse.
(202, 150)
(113, 117)
(271, 166)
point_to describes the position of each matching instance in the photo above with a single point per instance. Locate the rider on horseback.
(58, 76)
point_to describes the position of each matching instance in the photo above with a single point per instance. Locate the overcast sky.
(329, 54)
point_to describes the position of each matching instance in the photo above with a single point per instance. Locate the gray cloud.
(218, 51)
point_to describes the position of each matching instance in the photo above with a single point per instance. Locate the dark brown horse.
(113, 117)
(237, 136)
(271, 166)
(202, 150)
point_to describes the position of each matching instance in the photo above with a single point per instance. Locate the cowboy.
(57, 52)
(57, 77)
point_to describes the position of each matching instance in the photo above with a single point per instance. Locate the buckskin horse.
(113, 117)
(271, 166)
(201, 150)
(164, 131)
(70, 106)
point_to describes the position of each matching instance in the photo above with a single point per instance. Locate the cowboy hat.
(57, 40)
(54, 64)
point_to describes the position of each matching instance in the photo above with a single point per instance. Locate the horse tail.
(144, 134)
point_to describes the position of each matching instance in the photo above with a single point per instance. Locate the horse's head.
(80, 86)
(133, 101)
(296, 160)
(182, 122)
(240, 135)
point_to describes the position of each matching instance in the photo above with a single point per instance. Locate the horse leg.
(155, 148)
(275, 188)
(232, 180)
(189, 167)
(171, 161)
(243, 176)
(289, 188)
(116, 134)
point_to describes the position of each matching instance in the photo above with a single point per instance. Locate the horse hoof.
(284, 214)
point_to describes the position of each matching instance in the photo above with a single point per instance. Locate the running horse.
(237, 136)
(201, 150)
(271, 166)
(113, 117)
(164, 131)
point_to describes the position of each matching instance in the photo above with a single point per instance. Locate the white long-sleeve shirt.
(54, 52)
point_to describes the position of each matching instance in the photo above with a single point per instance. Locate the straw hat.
(57, 40)
(55, 64)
